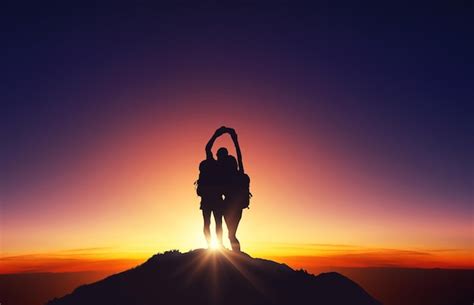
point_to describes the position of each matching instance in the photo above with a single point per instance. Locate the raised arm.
(233, 134)
(209, 144)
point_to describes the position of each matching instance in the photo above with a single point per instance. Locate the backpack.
(242, 190)
(209, 183)
(206, 184)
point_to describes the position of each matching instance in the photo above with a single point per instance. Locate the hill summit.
(217, 277)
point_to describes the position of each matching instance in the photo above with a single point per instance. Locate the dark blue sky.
(397, 81)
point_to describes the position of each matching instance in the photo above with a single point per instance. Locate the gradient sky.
(355, 125)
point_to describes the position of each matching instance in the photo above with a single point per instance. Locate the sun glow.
(214, 246)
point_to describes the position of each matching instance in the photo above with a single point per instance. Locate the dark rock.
(217, 277)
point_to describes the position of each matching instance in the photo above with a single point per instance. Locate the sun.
(214, 246)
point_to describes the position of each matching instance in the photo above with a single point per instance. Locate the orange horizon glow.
(313, 258)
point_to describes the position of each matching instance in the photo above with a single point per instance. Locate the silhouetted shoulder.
(206, 164)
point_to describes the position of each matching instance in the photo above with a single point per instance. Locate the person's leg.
(218, 220)
(206, 215)
(232, 219)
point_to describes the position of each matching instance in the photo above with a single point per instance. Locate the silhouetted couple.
(224, 189)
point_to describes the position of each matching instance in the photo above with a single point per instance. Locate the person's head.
(222, 153)
(228, 164)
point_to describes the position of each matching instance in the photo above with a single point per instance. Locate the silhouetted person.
(210, 190)
(236, 190)
(224, 189)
